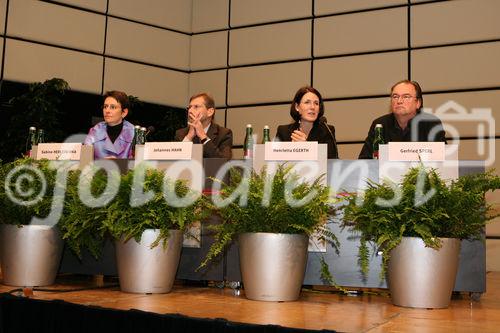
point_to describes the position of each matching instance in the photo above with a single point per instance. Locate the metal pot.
(142, 269)
(273, 265)
(30, 255)
(421, 277)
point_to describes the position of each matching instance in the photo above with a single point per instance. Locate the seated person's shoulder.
(97, 128)
(384, 118)
(428, 116)
(181, 130)
(180, 133)
(99, 125)
(224, 129)
(285, 127)
(128, 125)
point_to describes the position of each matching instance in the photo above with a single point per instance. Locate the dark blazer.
(318, 133)
(219, 145)
(424, 127)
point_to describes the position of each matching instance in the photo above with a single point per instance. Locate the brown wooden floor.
(314, 310)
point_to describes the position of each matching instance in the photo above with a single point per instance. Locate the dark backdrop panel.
(78, 109)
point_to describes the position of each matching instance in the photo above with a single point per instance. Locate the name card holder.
(291, 151)
(163, 151)
(397, 157)
(58, 151)
(416, 151)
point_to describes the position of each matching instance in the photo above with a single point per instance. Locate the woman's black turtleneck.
(114, 131)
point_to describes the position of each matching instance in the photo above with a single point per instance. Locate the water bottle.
(248, 145)
(30, 141)
(40, 137)
(378, 140)
(135, 140)
(266, 136)
(136, 134)
(140, 139)
(143, 135)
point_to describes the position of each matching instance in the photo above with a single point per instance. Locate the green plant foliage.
(81, 225)
(454, 210)
(278, 216)
(25, 185)
(126, 219)
(39, 107)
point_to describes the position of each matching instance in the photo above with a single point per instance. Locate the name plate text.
(291, 151)
(168, 150)
(416, 151)
(59, 151)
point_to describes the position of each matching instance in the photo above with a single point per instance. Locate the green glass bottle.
(377, 141)
(40, 137)
(31, 141)
(135, 141)
(136, 134)
(266, 136)
(248, 144)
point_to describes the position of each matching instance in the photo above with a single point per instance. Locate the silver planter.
(273, 265)
(30, 255)
(142, 269)
(421, 277)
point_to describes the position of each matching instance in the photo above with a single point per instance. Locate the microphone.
(150, 130)
(323, 121)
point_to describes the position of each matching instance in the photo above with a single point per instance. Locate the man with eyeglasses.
(406, 121)
(217, 140)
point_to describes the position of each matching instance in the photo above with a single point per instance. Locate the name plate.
(59, 151)
(416, 151)
(168, 150)
(291, 151)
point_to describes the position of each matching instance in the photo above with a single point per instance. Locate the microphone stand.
(323, 121)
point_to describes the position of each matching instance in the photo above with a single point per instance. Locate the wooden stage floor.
(370, 312)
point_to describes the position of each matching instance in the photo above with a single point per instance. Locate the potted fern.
(419, 224)
(30, 241)
(272, 228)
(82, 222)
(148, 232)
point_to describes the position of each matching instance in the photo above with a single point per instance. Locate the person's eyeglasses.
(309, 102)
(110, 106)
(194, 106)
(405, 97)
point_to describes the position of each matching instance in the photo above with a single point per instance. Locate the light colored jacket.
(103, 147)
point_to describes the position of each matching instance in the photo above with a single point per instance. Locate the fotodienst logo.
(471, 130)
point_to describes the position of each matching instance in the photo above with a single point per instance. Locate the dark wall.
(78, 110)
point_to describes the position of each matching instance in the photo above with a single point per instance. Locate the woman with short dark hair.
(113, 137)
